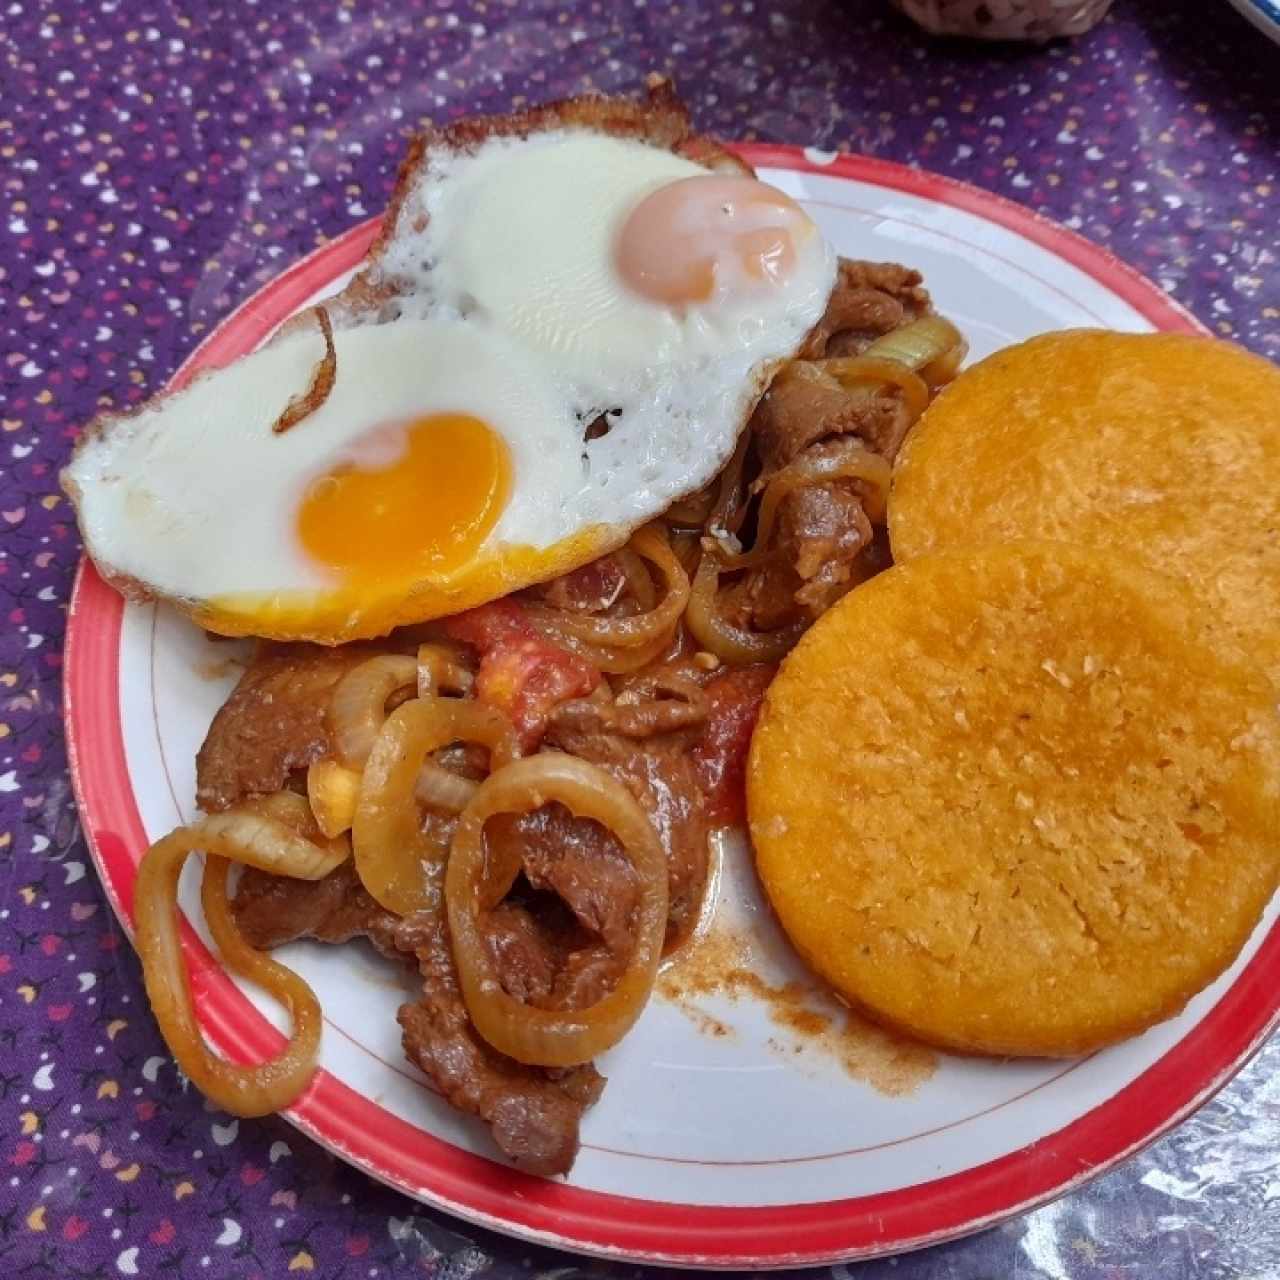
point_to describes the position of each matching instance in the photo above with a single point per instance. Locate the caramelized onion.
(853, 371)
(931, 346)
(651, 544)
(687, 547)
(727, 641)
(305, 403)
(441, 670)
(358, 704)
(638, 581)
(394, 856)
(442, 789)
(945, 367)
(731, 499)
(474, 884)
(275, 1085)
(258, 841)
(691, 512)
(613, 660)
(621, 644)
(845, 459)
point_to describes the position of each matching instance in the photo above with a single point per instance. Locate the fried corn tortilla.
(1009, 801)
(1161, 447)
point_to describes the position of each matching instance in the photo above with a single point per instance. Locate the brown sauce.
(721, 963)
(220, 669)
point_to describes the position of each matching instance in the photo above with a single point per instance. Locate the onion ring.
(691, 511)
(637, 577)
(854, 371)
(928, 346)
(650, 543)
(275, 1085)
(272, 845)
(398, 863)
(358, 704)
(715, 633)
(440, 669)
(442, 789)
(544, 1037)
(731, 499)
(615, 661)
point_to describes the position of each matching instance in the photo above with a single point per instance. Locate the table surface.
(161, 160)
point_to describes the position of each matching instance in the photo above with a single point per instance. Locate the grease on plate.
(218, 669)
(722, 963)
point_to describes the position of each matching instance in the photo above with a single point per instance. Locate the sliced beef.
(654, 717)
(580, 862)
(273, 723)
(524, 954)
(869, 300)
(653, 703)
(563, 936)
(585, 978)
(534, 1114)
(272, 910)
(545, 957)
(589, 589)
(764, 599)
(662, 776)
(822, 529)
(805, 407)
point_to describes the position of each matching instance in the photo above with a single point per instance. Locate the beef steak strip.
(662, 776)
(869, 300)
(822, 529)
(272, 910)
(580, 862)
(797, 412)
(534, 1114)
(273, 723)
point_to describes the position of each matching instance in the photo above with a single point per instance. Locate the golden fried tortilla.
(1164, 447)
(1010, 802)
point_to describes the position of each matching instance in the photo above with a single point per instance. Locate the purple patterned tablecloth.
(161, 160)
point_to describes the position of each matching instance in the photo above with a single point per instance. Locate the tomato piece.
(720, 754)
(521, 672)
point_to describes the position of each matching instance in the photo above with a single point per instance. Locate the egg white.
(197, 498)
(507, 308)
(518, 237)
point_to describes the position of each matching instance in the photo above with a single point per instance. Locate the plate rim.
(1262, 14)
(551, 1213)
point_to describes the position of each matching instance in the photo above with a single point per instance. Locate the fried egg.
(578, 330)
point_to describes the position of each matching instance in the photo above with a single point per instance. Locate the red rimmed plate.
(745, 1148)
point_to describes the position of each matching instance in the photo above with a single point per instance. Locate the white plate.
(717, 1150)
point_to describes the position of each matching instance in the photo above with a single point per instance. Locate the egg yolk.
(415, 501)
(688, 236)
